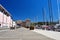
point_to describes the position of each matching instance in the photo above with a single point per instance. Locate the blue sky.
(23, 9)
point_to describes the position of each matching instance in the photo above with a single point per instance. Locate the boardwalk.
(22, 34)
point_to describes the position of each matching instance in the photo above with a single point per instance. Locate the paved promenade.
(48, 33)
(22, 34)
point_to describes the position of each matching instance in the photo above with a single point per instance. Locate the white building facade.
(14, 24)
(5, 18)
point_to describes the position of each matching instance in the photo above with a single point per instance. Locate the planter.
(27, 27)
(31, 27)
(12, 27)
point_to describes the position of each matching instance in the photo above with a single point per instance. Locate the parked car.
(38, 27)
(44, 27)
(57, 27)
(50, 27)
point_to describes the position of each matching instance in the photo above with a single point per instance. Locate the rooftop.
(2, 9)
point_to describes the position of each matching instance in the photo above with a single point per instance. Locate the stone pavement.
(22, 34)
